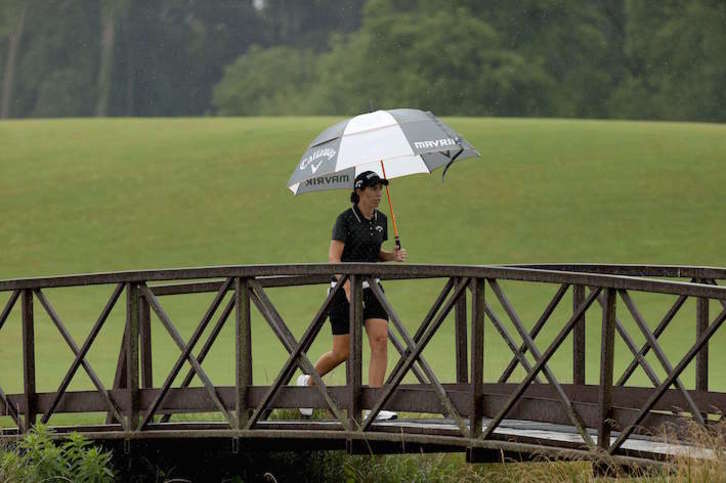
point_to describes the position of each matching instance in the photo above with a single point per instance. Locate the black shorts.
(339, 311)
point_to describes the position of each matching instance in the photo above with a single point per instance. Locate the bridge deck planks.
(441, 433)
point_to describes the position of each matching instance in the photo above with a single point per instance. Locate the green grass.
(79, 196)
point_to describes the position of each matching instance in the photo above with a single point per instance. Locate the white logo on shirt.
(379, 228)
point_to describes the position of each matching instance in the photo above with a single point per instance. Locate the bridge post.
(477, 357)
(147, 381)
(578, 337)
(132, 355)
(702, 357)
(354, 375)
(607, 361)
(243, 350)
(28, 330)
(460, 337)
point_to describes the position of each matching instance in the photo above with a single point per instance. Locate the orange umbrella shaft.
(390, 207)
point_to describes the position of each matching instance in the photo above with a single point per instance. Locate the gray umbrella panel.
(407, 140)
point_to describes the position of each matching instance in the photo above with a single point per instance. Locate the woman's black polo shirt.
(362, 237)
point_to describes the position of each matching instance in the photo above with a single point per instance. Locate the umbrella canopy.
(399, 141)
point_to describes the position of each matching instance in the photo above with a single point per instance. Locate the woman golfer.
(358, 236)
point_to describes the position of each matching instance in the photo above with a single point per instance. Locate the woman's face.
(371, 195)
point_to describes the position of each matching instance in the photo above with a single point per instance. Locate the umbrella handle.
(390, 207)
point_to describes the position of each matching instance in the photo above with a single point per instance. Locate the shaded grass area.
(81, 196)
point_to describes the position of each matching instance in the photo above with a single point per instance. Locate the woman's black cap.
(368, 178)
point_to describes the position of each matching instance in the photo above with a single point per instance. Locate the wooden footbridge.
(528, 409)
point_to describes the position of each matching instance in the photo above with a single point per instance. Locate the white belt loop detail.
(365, 283)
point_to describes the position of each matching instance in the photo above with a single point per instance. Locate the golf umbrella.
(392, 143)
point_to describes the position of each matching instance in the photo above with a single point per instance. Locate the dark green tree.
(172, 52)
(676, 70)
(309, 23)
(12, 24)
(429, 57)
(270, 81)
(578, 44)
(57, 63)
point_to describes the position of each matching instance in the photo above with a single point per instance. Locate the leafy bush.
(37, 457)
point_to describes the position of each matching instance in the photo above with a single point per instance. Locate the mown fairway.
(79, 196)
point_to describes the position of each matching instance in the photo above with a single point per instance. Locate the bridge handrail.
(554, 274)
(633, 270)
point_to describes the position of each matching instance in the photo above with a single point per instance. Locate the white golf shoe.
(382, 415)
(302, 380)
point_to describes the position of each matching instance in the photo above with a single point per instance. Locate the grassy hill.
(81, 196)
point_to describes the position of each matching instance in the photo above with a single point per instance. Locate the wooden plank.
(354, 377)
(132, 356)
(119, 378)
(386, 270)
(243, 351)
(460, 336)
(477, 356)
(579, 338)
(28, 330)
(607, 361)
(8, 307)
(539, 403)
(147, 372)
(702, 357)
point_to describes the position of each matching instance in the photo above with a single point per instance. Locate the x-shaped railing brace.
(639, 354)
(625, 296)
(661, 389)
(298, 357)
(519, 353)
(413, 356)
(567, 404)
(448, 405)
(267, 309)
(422, 328)
(667, 318)
(186, 350)
(540, 364)
(80, 354)
(205, 349)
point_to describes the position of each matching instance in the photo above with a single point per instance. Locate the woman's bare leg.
(333, 358)
(377, 330)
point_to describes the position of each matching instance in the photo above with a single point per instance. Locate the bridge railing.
(136, 407)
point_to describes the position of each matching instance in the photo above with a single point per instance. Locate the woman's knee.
(340, 354)
(379, 342)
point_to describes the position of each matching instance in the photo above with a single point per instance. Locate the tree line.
(643, 59)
